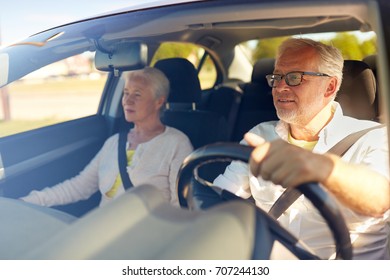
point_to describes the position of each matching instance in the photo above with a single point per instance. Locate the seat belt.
(122, 159)
(233, 114)
(290, 195)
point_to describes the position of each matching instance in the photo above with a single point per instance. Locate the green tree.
(351, 46)
(348, 44)
(369, 47)
(170, 50)
(267, 48)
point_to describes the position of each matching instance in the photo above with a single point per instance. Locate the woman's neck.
(146, 130)
(144, 133)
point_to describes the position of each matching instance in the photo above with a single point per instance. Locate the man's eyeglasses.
(292, 79)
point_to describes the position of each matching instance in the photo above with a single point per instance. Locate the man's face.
(298, 105)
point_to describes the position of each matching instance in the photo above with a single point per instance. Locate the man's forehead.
(301, 59)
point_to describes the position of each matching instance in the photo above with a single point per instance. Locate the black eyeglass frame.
(271, 77)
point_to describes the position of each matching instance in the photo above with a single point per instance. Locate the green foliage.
(267, 48)
(169, 50)
(348, 43)
(351, 47)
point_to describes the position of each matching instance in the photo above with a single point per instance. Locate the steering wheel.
(232, 151)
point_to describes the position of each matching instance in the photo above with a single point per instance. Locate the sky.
(22, 18)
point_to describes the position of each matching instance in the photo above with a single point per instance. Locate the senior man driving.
(293, 150)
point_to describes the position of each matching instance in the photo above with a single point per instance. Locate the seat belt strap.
(343, 146)
(122, 160)
(289, 196)
(234, 113)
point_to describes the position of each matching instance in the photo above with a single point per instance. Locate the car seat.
(357, 94)
(371, 62)
(256, 103)
(225, 100)
(201, 127)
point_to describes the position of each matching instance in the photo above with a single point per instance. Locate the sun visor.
(123, 57)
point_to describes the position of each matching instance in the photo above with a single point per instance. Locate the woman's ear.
(160, 101)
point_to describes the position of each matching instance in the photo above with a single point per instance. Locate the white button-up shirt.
(368, 234)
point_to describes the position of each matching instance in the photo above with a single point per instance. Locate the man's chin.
(286, 115)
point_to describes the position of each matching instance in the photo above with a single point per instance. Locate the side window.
(65, 90)
(195, 54)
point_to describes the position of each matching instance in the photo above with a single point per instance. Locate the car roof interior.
(205, 24)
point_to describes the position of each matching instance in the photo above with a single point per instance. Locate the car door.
(55, 126)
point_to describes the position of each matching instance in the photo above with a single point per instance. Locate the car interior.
(220, 114)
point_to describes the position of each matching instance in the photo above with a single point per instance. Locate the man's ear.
(332, 86)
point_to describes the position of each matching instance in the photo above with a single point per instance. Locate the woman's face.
(139, 102)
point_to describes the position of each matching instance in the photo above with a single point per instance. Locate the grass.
(39, 103)
(17, 126)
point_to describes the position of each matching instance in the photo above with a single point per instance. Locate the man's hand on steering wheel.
(285, 164)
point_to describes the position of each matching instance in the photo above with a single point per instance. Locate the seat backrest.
(224, 100)
(256, 103)
(357, 94)
(185, 91)
(201, 127)
(371, 61)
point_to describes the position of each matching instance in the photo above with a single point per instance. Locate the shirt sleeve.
(78, 188)
(183, 149)
(235, 179)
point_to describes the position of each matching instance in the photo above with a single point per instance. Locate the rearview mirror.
(122, 57)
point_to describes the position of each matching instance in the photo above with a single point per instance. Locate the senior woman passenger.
(154, 151)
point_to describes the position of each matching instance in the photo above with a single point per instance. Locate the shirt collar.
(326, 135)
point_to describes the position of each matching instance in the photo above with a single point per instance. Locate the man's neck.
(311, 130)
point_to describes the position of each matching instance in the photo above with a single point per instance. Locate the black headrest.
(262, 67)
(183, 78)
(358, 90)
